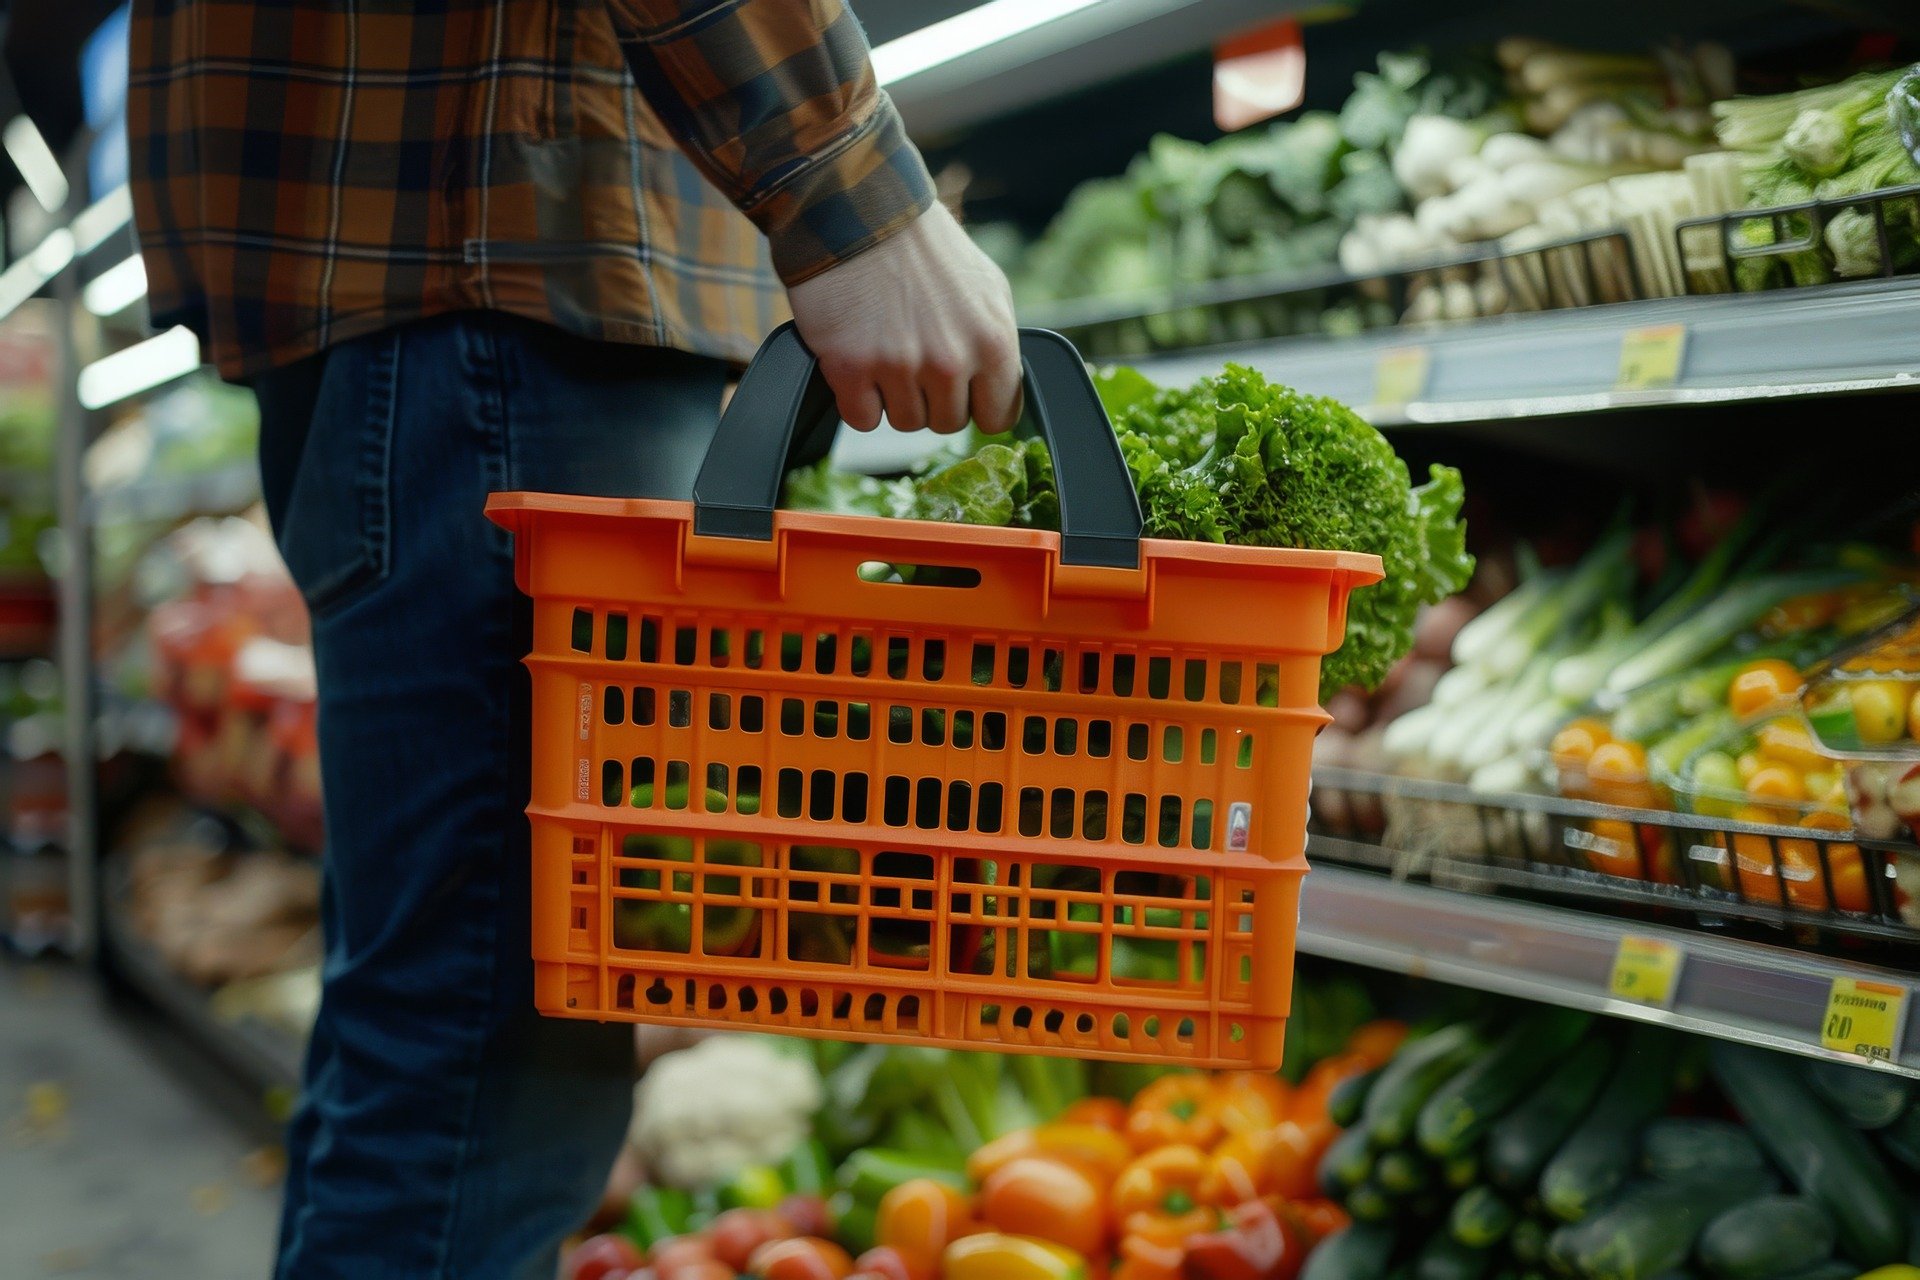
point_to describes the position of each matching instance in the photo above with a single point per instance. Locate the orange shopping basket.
(894, 780)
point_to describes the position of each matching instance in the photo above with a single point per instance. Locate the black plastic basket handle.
(783, 400)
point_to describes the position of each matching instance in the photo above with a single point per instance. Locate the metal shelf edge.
(1747, 992)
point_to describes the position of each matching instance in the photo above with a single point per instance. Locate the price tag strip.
(1400, 376)
(1865, 1019)
(1651, 357)
(1646, 971)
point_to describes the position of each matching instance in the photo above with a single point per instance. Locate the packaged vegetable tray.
(882, 779)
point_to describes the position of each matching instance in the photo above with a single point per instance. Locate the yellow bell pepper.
(992, 1256)
(1898, 1271)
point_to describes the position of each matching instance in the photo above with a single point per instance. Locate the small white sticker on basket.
(586, 710)
(1239, 824)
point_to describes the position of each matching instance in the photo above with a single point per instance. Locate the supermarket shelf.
(1735, 990)
(1093, 45)
(226, 489)
(266, 1058)
(1833, 339)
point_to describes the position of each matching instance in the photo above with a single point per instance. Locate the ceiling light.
(26, 277)
(144, 365)
(36, 162)
(93, 224)
(116, 288)
(978, 28)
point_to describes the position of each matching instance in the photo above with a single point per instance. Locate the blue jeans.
(446, 1130)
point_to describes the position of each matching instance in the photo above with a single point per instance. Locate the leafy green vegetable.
(1238, 459)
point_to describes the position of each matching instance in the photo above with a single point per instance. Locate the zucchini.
(1360, 1250)
(1864, 1098)
(1393, 1104)
(1528, 1241)
(1522, 1141)
(1770, 1236)
(1481, 1218)
(1676, 1147)
(1445, 1258)
(1826, 1160)
(1369, 1202)
(1462, 1109)
(1901, 1139)
(1349, 1097)
(1649, 1228)
(1346, 1164)
(1400, 1172)
(1598, 1155)
(1462, 1171)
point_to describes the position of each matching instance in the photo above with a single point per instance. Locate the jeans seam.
(489, 406)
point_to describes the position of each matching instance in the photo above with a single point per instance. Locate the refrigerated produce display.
(1596, 328)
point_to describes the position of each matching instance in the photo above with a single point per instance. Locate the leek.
(1724, 617)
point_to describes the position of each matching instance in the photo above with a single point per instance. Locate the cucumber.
(1346, 1163)
(1770, 1236)
(1445, 1258)
(1676, 1147)
(1826, 1160)
(1528, 1241)
(1461, 1171)
(1598, 1155)
(1462, 1110)
(1349, 1097)
(1363, 1249)
(1400, 1172)
(1393, 1104)
(1369, 1202)
(1649, 1228)
(1481, 1218)
(1522, 1141)
(1863, 1098)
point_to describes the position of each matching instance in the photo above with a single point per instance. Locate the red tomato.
(680, 1251)
(807, 1214)
(736, 1233)
(801, 1258)
(882, 1262)
(606, 1257)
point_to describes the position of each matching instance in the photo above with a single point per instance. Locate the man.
(473, 245)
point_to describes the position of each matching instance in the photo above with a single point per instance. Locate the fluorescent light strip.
(26, 277)
(93, 224)
(144, 365)
(36, 162)
(116, 288)
(978, 28)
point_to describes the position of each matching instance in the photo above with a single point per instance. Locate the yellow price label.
(1400, 376)
(1865, 1018)
(1650, 357)
(1646, 971)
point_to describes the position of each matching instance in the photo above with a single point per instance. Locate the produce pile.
(1546, 1144)
(829, 1162)
(1837, 143)
(1232, 459)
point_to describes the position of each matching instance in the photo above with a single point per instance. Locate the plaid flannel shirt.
(306, 172)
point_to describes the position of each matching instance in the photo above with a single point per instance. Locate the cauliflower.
(701, 1115)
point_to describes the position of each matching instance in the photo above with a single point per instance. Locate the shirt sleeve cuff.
(845, 198)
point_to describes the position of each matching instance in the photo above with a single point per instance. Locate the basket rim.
(508, 509)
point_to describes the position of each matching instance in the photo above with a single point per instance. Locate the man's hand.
(920, 325)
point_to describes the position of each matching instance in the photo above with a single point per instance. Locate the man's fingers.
(996, 395)
(947, 396)
(906, 403)
(858, 398)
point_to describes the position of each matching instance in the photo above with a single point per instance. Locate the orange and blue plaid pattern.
(308, 172)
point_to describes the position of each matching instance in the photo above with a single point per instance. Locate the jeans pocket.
(336, 536)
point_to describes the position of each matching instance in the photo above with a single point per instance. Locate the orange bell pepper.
(1155, 1251)
(1107, 1113)
(1244, 1100)
(1240, 1168)
(1165, 1182)
(1100, 1151)
(1173, 1110)
(1293, 1157)
(918, 1219)
(1047, 1200)
(1320, 1216)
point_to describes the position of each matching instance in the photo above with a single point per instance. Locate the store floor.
(120, 1155)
